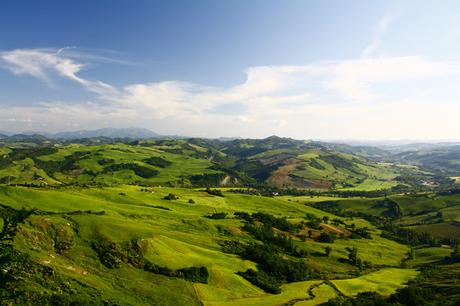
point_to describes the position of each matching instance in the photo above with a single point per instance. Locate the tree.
(353, 255)
(325, 237)
(328, 251)
(171, 196)
(326, 219)
(455, 255)
(411, 254)
(310, 233)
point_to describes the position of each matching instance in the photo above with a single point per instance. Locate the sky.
(363, 70)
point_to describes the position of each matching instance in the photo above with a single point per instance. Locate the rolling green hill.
(129, 245)
(274, 161)
(435, 213)
(141, 223)
(107, 164)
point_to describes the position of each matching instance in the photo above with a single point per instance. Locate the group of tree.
(171, 197)
(355, 260)
(139, 170)
(215, 192)
(157, 162)
(113, 255)
(274, 269)
(407, 236)
(267, 235)
(217, 215)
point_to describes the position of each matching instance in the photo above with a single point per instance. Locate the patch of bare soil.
(282, 177)
(335, 230)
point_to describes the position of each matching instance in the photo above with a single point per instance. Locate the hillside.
(276, 162)
(136, 223)
(285, 162)
(98, 242)
(163, 163)
(444, 159)
(131, 245)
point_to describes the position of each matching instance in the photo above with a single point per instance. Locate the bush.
(217, 216)
(262, 280)
(215, 192)
(204, 180)
(171, 197)
(285, 270)
(112, 255)
(267, 235)
(272, 221)
(194, 274)
(139, 170)
(158, 162)
(326, 238)
(243, 215)
(313, 221)
(362, 232)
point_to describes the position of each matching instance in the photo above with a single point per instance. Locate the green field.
(201, 222)
(176, 238)
(429, 255)
(385, 282)
(277, 162)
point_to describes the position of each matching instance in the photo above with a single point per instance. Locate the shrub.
(194, 274)
(326, 238)
(215, 192)
(171, 197)
(157, 161)
(262, 280)
(362, 232)
(139, 170)
(217, 216)
(112, 255)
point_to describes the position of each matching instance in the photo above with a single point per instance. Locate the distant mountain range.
(132, 133)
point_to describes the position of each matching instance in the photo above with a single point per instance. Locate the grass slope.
(175, 234)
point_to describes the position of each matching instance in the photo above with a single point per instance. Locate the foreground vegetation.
(111, 244)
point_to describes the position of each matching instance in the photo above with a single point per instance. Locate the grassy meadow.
(176, 234)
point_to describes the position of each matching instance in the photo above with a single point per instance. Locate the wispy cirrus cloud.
(44, 63)
(378, 32)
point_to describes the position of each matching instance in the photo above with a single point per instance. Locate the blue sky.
(304, 69)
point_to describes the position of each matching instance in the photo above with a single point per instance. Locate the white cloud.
(354, 77)
(40, 63)
(326, 99)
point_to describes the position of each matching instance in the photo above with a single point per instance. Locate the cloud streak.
(42, 63)
(378, 32)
